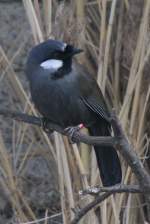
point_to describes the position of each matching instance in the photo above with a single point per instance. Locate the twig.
(129, 154)
(120, 142)
(77, 136)
(115, 189)
(42, 219)
(91, 205)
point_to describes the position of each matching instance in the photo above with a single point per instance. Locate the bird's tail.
(107, 157)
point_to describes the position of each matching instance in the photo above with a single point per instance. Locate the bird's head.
(53, 54)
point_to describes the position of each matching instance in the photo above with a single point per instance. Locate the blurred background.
(41, 175)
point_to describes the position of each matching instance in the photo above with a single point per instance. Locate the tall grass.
(97, 27)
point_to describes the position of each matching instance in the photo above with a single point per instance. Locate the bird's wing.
(91, 94)
(96, 107)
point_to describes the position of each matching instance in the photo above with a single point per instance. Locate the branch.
(115, 189)
(30, 119)
(129, 154)
(99, 198)
(119, 142)
(91, 205)
(77, 136)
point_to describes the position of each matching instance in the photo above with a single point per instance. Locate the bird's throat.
(64, 70)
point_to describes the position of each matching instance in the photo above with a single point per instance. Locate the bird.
(66, 94)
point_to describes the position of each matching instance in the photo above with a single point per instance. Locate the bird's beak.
(70, 51)
(77, 51)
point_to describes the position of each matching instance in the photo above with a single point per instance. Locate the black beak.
(70, 51)
(76, 51)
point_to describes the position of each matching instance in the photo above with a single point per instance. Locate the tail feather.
(107, 157)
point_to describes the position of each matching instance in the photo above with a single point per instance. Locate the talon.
(71, 131)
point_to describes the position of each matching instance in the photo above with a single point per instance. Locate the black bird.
(66, 94)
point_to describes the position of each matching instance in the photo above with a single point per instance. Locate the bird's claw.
(71, 131)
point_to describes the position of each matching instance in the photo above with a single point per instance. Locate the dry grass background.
(100, 28)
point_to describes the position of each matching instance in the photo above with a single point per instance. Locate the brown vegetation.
(115, 37)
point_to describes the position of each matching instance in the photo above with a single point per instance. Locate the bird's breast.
(59, 100)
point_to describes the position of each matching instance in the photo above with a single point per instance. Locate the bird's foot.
(72, 133)
(44, 125)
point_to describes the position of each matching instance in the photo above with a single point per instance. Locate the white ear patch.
(64, 46)
(52, 64)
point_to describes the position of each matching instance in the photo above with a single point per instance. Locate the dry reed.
(93, 24)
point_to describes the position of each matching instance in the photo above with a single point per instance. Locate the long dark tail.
(107, 158)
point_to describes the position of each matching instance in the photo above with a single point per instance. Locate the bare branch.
(119, 142)
(129, 154)
(115, 189)
(30, 119)
(91, 205)
(77, 136)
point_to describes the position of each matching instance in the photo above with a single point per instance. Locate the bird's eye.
(69, 48)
